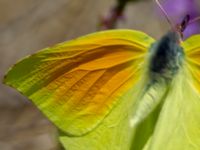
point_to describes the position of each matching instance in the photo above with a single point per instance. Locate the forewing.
(192, 50)
(76, 83)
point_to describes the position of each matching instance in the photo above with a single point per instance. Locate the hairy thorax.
(166, 57)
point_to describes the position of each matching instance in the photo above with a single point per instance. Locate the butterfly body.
(165, 59)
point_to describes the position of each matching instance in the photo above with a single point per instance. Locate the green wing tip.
(4, 80)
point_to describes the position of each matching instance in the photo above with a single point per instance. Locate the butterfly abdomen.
(148, 100)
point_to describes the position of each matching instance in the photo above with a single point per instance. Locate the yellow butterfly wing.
(192, 49)
(77, 83)
(113, 133)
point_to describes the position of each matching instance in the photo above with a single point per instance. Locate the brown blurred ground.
(29, 25)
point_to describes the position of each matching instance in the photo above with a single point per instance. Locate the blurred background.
(27, 26)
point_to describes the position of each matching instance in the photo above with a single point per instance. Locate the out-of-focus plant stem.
(116, 13)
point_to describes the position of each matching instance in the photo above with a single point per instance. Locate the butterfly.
(117, 90)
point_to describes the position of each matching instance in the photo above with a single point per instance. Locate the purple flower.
(177, 9)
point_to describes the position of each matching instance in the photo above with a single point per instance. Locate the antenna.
(194, 20)
(165, 14)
